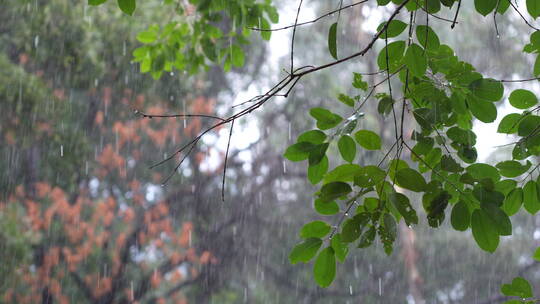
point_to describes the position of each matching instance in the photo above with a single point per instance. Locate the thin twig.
(225, 163)
(309, 22)
(293, 35)
(454, 22)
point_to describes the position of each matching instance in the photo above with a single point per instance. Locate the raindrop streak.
(289, 131)
(61, 150)
(350, 290)
(380, 287)
(284, 168)
(36, 41)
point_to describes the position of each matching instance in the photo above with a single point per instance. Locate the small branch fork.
(282, 89)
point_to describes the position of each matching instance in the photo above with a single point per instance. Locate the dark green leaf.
(509, 123)
(512, 168)
(533, 7)
(127, 6)
(369, 176)
(317, 172)
(305, 251)
(324, 269)
(299, 151)
(536, 255)
(485, 7)
(317, 154)
(367, 237)
(332, 40)
(487, 89)
(331, 191)
(501, 219)
(449, 164)
(347, 148)
(237, 56)
(402, 204)
(410, 179)
(460, 217)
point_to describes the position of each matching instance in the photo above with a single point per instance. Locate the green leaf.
(395, 54)
(416, 60)
(305, 251)
(358, 82)
(518, 288)
(487, 89)
(528, 125)
(147, 36)
(395, 28)
(326, 208)
(536, 255)
(317, 172)
(96, 2)
(299, 151)
(466, 137)
(314, 136)
(484, 231)
(315, 229)
(485, 7)
(433, 6)
(341, 248)
(385, 105)
(351, 229)
(332, 40)
(482, 171)
(536, 68)
(522, 99)
(342, 173)
(410, 179)
(449, 164)
(317, 154)
(501, 219)
(530, 197)
(533, 7)
(513, 201)
(369, 176)
(324, 269)
(427, 38)
(127, 6)
(485, 111)
(402, 204)
(367, 237)
(509, 123)
(346, 100)
(331, 191)
(368, 140)
(237, 56)
(460, 217)
(512, 168)
(347, 148)
(325, 119)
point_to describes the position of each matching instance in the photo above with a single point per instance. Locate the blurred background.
(84, 220)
